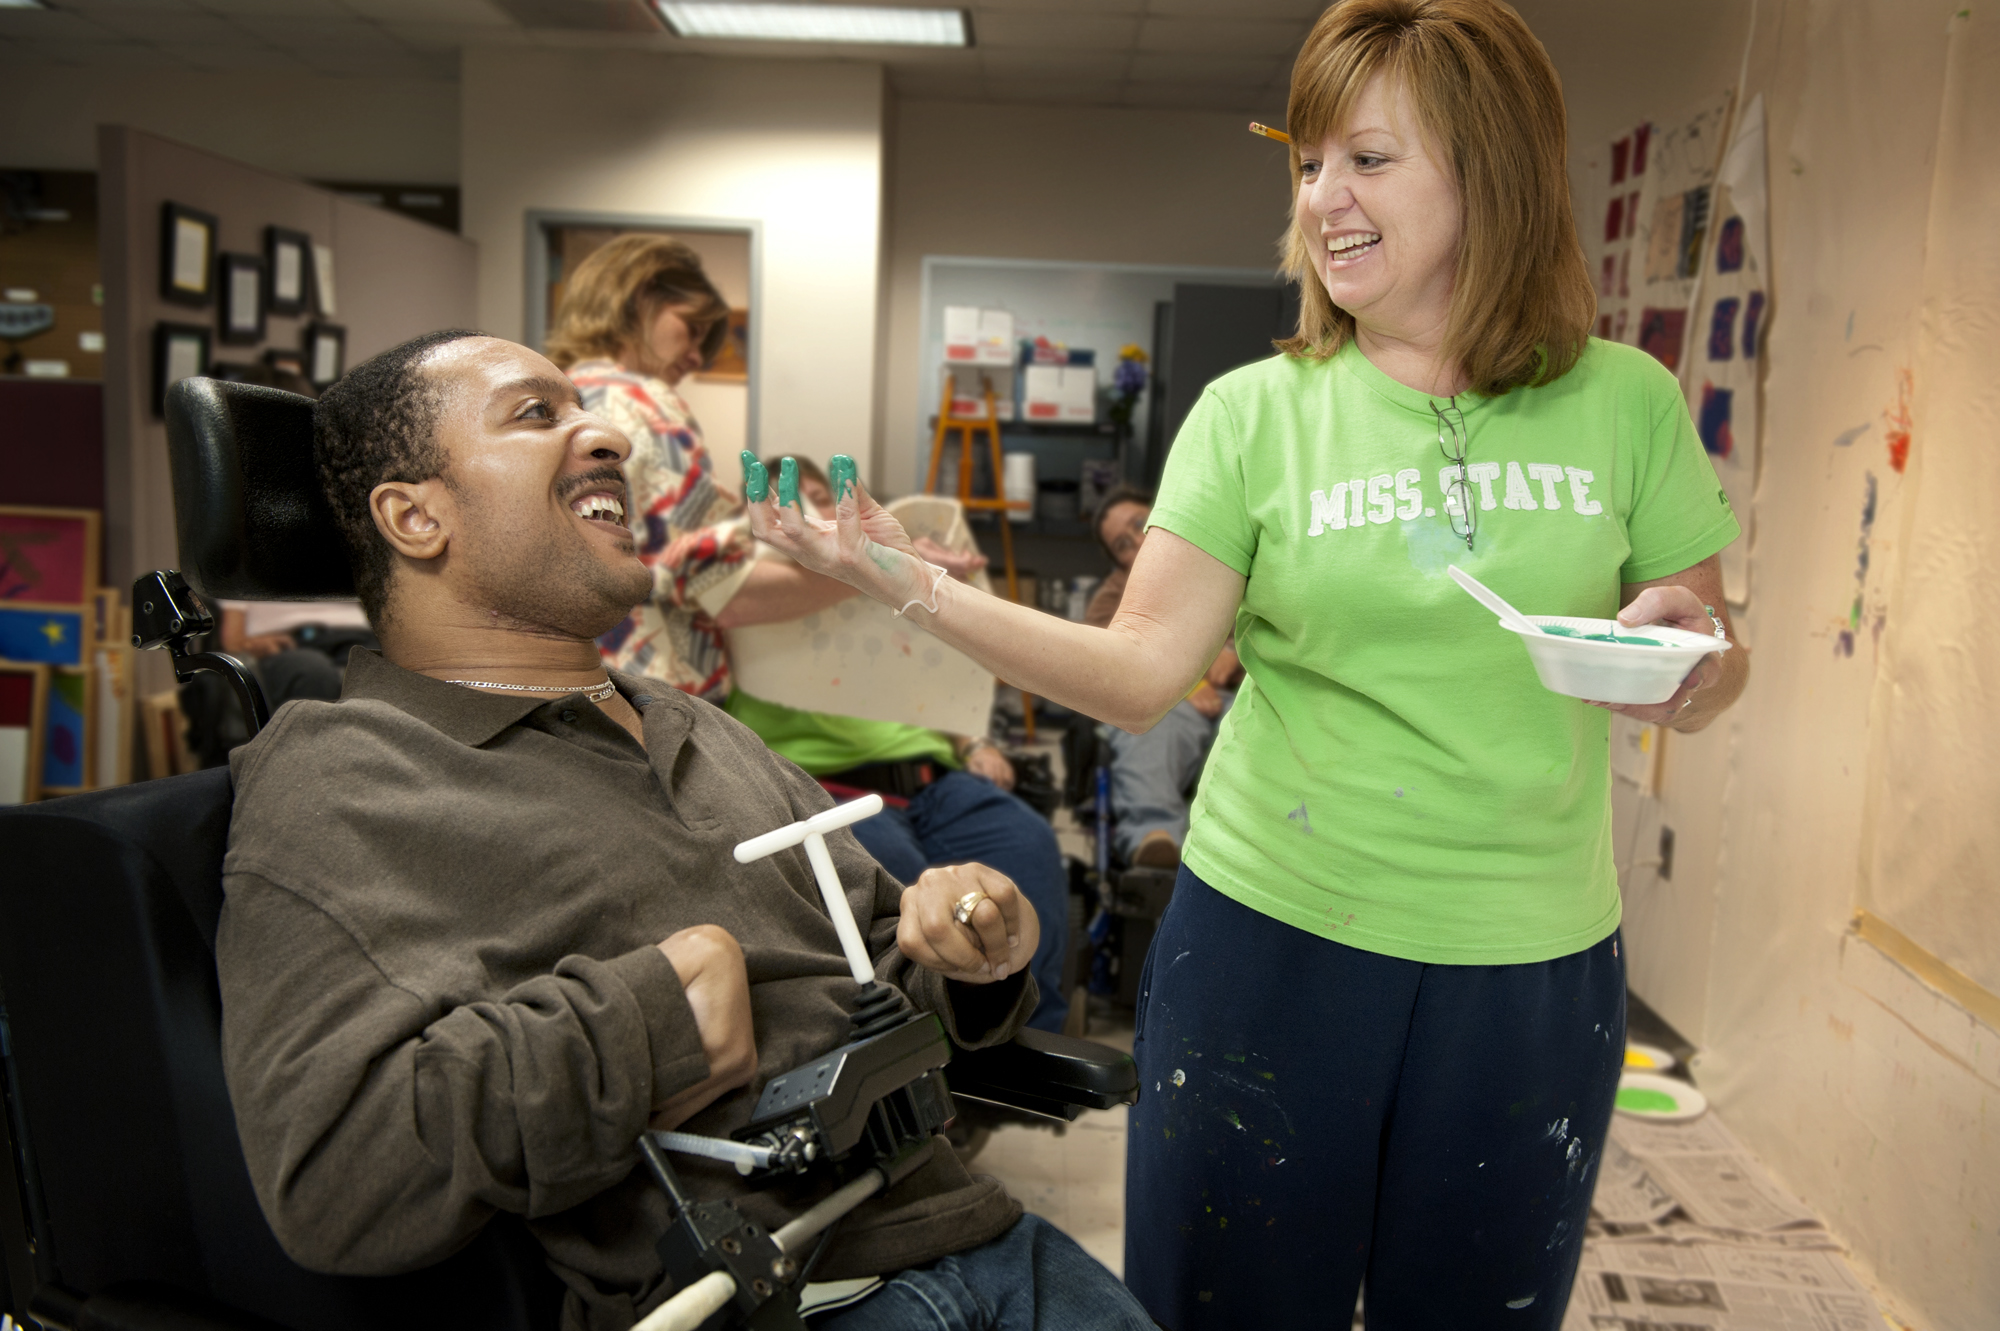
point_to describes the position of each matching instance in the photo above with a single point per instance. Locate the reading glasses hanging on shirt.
(1458, 492)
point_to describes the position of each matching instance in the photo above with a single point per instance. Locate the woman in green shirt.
(1383, 1017)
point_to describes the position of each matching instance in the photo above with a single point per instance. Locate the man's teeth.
(601, 508)
(1347, 244)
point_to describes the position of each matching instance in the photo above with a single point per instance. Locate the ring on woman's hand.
(962, 911)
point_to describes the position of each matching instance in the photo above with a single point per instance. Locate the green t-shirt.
(823, 744)
(1393, 774)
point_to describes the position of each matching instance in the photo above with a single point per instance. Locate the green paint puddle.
(1641, 1100)
(1558, 631)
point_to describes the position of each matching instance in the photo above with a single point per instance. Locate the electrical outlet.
(1666, 852)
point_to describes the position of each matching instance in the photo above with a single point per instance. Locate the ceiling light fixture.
(23, 4)
(877, 25)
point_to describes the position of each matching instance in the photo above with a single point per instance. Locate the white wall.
(1867, 1086)
(320, 128)
(796, 145)
(1078, 183)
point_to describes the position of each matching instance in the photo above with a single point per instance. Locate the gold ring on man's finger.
(962, 911)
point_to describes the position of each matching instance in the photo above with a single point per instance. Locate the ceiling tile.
(1252, 70)
(324, 9)
(107, 55)
(1189, 96)
(1275, 37)
(244, 59)
(1055, 92)
(433, 11)
(1059, 30)
(455, 36)
(1020, 62)
(51, 25)
(100, 6)
(190, 29)
(1132, 7)
(306, 32)
(1307, 10)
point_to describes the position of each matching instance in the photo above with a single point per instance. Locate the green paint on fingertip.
(844, 475)
(788, 484)
(756, 480)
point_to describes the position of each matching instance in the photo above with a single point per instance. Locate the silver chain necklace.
(594, 692)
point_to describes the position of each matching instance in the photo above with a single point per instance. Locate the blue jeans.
(962, 818)
(1032, 1278)
(1151, 774)
(1310, 1113)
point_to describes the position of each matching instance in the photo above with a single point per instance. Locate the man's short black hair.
(378, 423)
(1123, 494)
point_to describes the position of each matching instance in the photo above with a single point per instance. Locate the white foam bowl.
(1614, 671)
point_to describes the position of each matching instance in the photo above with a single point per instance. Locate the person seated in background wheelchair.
(1152, 773)
(483, 926)
(948, 795)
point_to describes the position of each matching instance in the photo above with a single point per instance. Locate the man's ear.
(410, 515)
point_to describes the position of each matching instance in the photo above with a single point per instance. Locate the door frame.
(535, 312)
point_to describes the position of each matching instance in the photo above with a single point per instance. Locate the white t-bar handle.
(812, 832)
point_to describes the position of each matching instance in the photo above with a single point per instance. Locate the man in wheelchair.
(483, 927)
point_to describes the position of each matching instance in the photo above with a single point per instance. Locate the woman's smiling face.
(1381, 216)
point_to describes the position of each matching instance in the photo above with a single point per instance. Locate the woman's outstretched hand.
(864, 546)
(1681, 608)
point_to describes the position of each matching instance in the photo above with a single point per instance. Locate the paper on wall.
(1732, 315)
(323, 279)
(859, 659)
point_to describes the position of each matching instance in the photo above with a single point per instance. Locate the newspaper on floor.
(1688, 1233)
(1710, 1287)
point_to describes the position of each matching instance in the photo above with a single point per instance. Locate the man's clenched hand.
(710, 964)
(998, 941)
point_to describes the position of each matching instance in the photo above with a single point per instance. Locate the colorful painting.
(1713, 424)
(1660, 333)
(54, 635)
(23, 706)
(1729, 247)
(1722, 329)
(64, 737)
(48, 554)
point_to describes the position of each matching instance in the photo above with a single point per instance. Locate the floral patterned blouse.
(692, 535)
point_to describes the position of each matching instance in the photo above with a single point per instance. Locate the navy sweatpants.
(1311, 1114)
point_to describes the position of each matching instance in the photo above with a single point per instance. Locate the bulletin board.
(1100, 306)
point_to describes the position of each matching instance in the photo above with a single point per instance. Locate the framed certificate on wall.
(242, 283)
(187, 255)
(287, 256)
(326, 353)
(180, 351)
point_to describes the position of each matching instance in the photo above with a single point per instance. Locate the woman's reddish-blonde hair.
(615, 292)
(1488, 97)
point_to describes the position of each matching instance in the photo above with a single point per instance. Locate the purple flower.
(1129, 378)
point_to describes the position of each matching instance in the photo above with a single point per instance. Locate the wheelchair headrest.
(252, 521)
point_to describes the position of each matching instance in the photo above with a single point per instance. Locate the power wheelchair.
(125, 1202)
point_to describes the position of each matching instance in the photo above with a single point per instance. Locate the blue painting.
(1713, 424)
(63, 741)
(52, 636)
(1729, 246)
(1722, 329)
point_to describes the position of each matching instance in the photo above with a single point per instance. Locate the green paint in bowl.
(1559, 631)
(1643, 1100)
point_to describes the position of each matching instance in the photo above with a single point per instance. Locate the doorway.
(723, 397)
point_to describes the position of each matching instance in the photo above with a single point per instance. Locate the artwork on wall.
(1733, 299)
(323, 281)
(286, 258)
(66, 732)
(325, 353)
(180, 351)
(24, 701)
(242, 283)
(187, 255)
(48, 555)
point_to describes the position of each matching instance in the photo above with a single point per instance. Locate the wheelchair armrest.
(1052, 1075)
